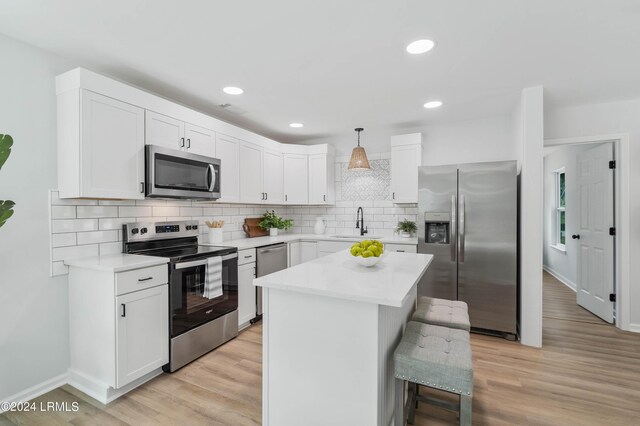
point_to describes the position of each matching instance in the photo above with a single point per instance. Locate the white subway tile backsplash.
(179, 203)
(97, 211)
(63, 212)
(138, 211)
(166, 211)
(73, 252)
(63, 240)
(114, 223)
(110, 248)
(96, 237)
(73, 225)
(151, 202)
(212, 211)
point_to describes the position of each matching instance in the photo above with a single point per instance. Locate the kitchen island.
(330, 328)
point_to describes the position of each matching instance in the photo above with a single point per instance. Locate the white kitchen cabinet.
(100, 147)
(246, 293)
(118, 328)
(406, 157)
(228, 151)
(329, 247)
(251, 168)
(308, 251)
(172, 133)
(403, 248)
(296, 178)
(142, 333)
(273, 182)
(294, 253)
(321, 182)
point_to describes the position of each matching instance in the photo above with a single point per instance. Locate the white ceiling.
(335, 65)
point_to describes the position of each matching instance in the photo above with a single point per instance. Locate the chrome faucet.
(360, 221)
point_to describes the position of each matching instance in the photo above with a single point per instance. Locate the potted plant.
(273, 222)
(406, 227)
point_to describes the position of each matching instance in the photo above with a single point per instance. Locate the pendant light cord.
(359, 129)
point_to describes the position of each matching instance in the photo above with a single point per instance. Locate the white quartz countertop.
(246, 243)
(336, 275)
(117, 262)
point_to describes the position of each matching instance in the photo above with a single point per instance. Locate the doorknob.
(575, 236)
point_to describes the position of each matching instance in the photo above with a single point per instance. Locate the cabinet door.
(251, 173)
(246, 293)
(308, 251)
(112, 148)
(199, 140)
(142, 334)
(296, 179)
(273, 177)
(164, 131)
(405, 160)
(318, 193)
(402, 248)
(227, 151)
(294, 253)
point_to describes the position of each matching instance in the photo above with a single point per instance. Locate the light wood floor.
(588, 373)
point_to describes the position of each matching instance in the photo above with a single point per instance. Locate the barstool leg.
(399, 410)
(411, 402)
(465, 410)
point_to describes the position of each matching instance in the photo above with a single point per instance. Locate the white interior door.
(595, 256)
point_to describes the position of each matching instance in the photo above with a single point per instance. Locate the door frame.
(621, 214)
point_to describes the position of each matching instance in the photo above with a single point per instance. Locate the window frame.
(560, 210)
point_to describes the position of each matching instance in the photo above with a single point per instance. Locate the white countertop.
(117, 262)
(246, 243)
(336, 275)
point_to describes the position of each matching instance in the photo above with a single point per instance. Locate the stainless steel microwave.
(178, 174)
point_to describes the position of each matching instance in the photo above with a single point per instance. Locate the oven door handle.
(183, 265)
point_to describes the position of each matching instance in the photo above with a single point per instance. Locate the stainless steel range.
(203, 286)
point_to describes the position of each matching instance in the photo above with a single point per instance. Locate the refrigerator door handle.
(461, 233)
(452, 229)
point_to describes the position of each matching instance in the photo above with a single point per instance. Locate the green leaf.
(6, 211)
(6, 142)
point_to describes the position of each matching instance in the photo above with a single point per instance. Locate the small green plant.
(6, 206)
(271, 220)
(407, 226)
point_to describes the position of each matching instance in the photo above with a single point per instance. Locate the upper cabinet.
(251, 167)
(321, 182)
(228, 151)
(406, 157)
(100, 147)
(175, 134)
(296, 178)
(273, 177)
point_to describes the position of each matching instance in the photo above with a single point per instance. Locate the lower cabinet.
(308, 251)
(329, 247)
(246, 289)
(294, 253)
(403, 248)
(118, 328)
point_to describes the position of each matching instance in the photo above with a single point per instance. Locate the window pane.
(562, 228)
(561, 189)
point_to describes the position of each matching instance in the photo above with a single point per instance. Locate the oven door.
(188, 302)
(178, 174)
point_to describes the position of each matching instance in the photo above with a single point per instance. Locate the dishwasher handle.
(272, 249)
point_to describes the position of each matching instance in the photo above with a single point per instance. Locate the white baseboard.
(634, 328)
(37, 390)
(103, 392)
(564, 280)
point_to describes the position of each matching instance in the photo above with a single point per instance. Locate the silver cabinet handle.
(188, 143)
(212, 181)
(462, 228)
(144, 279)
(142, 187)
(452, 229)
(249, 256)
(181, 142)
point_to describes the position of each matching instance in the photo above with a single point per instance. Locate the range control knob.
(194, 227)
(134, 231)
(188, 227)
(143, 231)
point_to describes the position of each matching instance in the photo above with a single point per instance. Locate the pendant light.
(359, 156)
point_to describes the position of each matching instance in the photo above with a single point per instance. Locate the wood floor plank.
(587, 373)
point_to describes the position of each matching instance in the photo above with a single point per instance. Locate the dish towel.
(213, 279)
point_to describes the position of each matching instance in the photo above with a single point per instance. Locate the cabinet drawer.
(139, 279)
(246, 256)
(406, 248)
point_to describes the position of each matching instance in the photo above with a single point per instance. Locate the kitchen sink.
(357, 237)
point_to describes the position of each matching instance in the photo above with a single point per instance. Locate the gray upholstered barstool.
(446, 313)
(437, 357)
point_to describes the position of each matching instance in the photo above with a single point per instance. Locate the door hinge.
(612, 164)
(612, 297)
(612, 231)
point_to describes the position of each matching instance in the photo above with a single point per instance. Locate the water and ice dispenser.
(436, 226)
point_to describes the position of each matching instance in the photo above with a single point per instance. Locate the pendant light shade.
(359, 156)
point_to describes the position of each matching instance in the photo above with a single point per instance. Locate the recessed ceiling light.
(296, 125)
(433, 104)
(420, 46)
(231, 90)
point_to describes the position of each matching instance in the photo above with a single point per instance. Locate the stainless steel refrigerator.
(468, 219)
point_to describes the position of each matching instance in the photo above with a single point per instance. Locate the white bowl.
(367, 261)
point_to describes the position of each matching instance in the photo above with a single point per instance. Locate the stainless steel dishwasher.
(270, 259)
